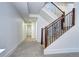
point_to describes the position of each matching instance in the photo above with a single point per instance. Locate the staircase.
(58, 27)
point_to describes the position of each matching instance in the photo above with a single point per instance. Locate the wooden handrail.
(57, 7)
(49, 25)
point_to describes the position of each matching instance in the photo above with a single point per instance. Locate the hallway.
(28, 49)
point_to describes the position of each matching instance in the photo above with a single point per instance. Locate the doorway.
(30, 31)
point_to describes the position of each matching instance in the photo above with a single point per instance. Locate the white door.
(29, 30)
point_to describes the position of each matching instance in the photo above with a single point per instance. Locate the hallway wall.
(77, 14)
(41, 23)
(34, 30)
(11, 28)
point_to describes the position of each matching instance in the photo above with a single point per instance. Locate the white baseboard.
(58, 51)
(12, 50)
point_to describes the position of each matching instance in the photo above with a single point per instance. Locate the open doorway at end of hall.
(30, 31)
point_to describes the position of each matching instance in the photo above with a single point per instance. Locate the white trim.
(12, 50)
(57, 51)
(1, 50)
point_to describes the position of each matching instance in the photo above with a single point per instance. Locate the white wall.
(24, 30)
(11, 32)
(77, 14)
(41, 23)
(69, 8)
(34, 30)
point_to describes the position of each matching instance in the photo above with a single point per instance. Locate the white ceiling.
(34, 7)
(26, 8)
(21, 8)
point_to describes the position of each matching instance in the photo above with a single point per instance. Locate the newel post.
(62, 20)
(73, 17)
(41, 36)
(46, 37)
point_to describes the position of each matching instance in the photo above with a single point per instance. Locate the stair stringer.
(66, 43)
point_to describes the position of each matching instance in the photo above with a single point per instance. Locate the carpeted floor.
(34, 49)
(28, 49)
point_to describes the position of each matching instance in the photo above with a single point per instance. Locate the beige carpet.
(28, 49)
